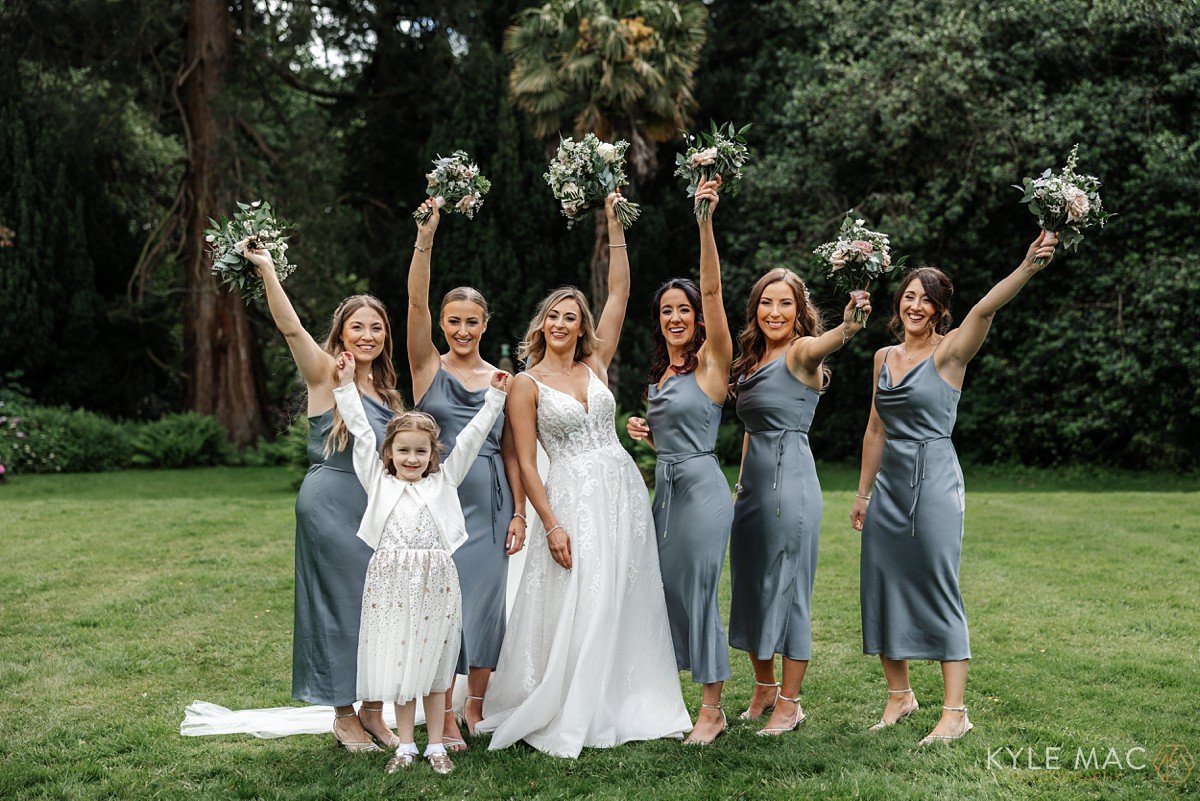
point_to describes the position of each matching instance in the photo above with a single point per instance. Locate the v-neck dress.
(913, 531)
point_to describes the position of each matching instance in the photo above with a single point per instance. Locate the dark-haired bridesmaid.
(452, 387)
(912, 525)
(779, 375)
(689, 379)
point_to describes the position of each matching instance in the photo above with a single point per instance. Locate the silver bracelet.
(518, 514)
(556, 527)
(863, 497)
(423, 250)
(622, 245)
(842, 330)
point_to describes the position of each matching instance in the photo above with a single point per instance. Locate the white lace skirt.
(411, 616)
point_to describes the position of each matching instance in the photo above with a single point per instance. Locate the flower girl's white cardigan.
(438, 491)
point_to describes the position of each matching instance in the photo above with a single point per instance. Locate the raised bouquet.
(856, 258)
(1065, 204)
(252, 227)
(582, 174)
(721, 151)
(456, 180)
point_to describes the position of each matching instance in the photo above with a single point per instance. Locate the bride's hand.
(560, 546)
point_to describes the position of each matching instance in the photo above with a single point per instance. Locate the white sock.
(434, 748)
(407, 748)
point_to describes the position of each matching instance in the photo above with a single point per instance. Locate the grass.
(125, 596)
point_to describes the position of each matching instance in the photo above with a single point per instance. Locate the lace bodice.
(566, 429)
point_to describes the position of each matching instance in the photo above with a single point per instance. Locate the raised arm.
(872, 452)
(806, 353)
(367, 464)
(716, 354)
(423, 357)
(315, 365)
(473, 435)
(608, 330)
(961, 344)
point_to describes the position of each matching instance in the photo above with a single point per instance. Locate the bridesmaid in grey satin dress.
(452, 387)
(693, 350)
(779, 375)
(912, 524)
(331, 562)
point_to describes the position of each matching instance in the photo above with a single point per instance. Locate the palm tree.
(620, 70)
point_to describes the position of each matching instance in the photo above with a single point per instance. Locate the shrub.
(729, 443)
(48, 439)
(180, 440)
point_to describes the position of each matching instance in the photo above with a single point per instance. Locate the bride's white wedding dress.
(587, 658)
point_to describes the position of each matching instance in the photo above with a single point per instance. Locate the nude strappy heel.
(946, 738)
(775, 731)
(724, 726)
(766, 709)
(883, 724)
(388, 745)
(463, 717)
(364, 747)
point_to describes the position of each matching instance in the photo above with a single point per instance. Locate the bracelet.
(423, 250)
(737, 488)
(622, 245)
(863, 497)
(845, 336)
(556, 527)
(518, 514)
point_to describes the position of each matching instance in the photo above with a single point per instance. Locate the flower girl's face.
(777, 312)
(562, 326)
(463, 323)
(364, 334)
(676, 318)
(916, 309)
(411, 452)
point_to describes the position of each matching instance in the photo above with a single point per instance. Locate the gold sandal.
(947, 738)
(392, 742)
(775, 731)
(724, 726)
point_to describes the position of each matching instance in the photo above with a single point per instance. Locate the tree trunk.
(600, 289)
(225, 372)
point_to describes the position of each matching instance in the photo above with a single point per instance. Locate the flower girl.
(411, 609)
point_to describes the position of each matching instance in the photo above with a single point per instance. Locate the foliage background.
(918, 113)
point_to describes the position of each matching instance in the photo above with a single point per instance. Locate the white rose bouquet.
(722, 151)
(1065, 204)
(456, 180)
(856, 258)
(582, 174)
(252, 227)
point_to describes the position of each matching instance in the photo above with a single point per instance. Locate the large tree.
(620, 70)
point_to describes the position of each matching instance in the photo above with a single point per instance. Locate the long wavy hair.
(533, 346)
(662, 357)
(413, 421)
(383, 372)
(938, 289)
(752, 342)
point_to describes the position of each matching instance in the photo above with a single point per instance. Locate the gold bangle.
(622, 245)
(518, 514)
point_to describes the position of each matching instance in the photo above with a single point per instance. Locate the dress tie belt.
(497, 492)
(327, 466)
(669, 460)
(918, 475)
(778, 456)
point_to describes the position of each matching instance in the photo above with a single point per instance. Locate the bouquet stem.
(627, 212)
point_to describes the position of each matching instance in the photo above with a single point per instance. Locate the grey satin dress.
(913, 531)
(692, 515)
(777, 517)
(487, 505)
(331, 564)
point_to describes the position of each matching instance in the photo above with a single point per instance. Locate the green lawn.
(125, 596)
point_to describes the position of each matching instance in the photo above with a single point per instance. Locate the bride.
(587, 660)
